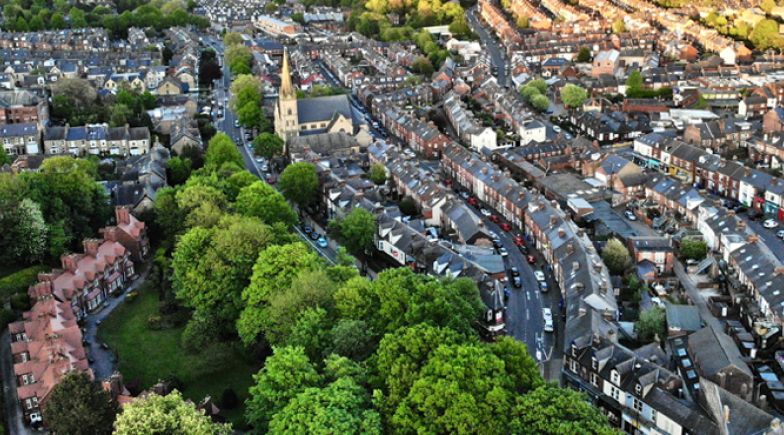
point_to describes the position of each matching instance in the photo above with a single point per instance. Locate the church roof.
(322, 108)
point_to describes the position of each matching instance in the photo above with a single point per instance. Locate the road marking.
(528, 294)
(527, 314)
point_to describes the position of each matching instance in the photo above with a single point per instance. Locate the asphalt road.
(492, 45)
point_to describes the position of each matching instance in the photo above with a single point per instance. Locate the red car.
(493, 218)
(506, 227)
(531, 259)
(472, 201)
(518, 240)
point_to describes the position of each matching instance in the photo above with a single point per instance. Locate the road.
(493, 47)
(13, 409)
(768, 236)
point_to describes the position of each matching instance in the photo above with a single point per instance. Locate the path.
(696, 296)
(13, 410)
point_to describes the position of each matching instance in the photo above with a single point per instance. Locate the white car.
(503, 251)
(485, 212)
(547, 314)
(780, 234)
(630, 215)
(556, 129)
(548, 320)
(770, 223)
(539, 275)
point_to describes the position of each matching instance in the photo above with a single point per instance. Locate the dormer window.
(574, 350)
(638, 388)
(615, 377)
(595, 363)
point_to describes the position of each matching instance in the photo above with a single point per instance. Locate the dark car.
(506, 227)
(755, 215)
(531, 259)
(517, 282)
(507, 293)
(514, 271)
(497, 243)
(518, 240)
(524, 250)
(473, 201)
(307, 229)
(314, 235)
(493, 218)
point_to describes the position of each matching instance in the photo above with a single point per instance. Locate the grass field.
(149, 355)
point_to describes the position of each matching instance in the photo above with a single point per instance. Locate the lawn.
(149, 355)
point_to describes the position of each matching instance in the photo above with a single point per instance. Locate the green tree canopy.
(652, 322)
(377, 173)
(299, 183)
(264, 202)
(584, 55)
(268, 145)
(286, 374)
(616, 256)
(356, 231)
(573, 95)
(168, 414)
(549, 410)
(77, 405)
(222, 149)
(693, 249)
(540, 102)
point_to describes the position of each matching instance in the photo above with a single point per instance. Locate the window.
(615, 394)
(595, 363)
(615, 377)
(653, 415)
(637, 405)
(594, 379)
(638, 388)
(573, 365)
(28, 379)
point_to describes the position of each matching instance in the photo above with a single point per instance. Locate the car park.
(539, 275)
(770, 223)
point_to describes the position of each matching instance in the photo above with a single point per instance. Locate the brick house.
(773, 121)
(656, 250)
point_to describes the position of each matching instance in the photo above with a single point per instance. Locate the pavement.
(493, 47)
(104, 360)
(13, 410)
(696, 296)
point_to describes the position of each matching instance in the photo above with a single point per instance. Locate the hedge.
(19, 281)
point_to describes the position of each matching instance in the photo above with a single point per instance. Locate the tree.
(356, 231)
(264, 202)
(298, 17)
(528, 92)
(549, 410)
(422, 65)
(286, 373)
(221, 149)
(232, 38)
(767, 5)
(766, 35)
(201, 205)
(540, 102)
(78, 405)
(239, 59)
(212, 266)
(652, 323)
(178, 169)
(168, 215)
(168, 414)
(5, 159)
(268, 145)
(342, 407)
(245, 89)
(79, 91)
(77, 18)
(584, 55)
(350, 338)
(573, 95)
(616, 256)
(539, 84)
(522, 22)
(120, 113)
(273, 273)
(618, 26)
(693, 249)
(24, 236)
(57, 21)
(312, 332)
(634, 82)
(377, 173)
(408, 206)
(299, 183)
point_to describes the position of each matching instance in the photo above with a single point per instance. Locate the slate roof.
(715, 351)
(322, 108)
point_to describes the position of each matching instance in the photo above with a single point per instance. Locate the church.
(299, 117)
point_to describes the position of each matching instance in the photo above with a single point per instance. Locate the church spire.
(286, 88)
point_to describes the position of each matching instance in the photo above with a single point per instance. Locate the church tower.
(286, 118)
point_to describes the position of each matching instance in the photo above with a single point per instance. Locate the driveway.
(13, 410)
(104, 361)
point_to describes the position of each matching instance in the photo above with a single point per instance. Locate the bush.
(174, 382)
(6, 317)
(155, 322)
(229, 399)
(19, 281)
(20, 302)
(198, 334)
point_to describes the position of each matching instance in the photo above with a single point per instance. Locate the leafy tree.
(460, 28)
(286, 373)
(236, 182)
(168, 215)
(273, 273)
(767, 5)
(213, 266)
(651, 323)
(584, 55)
(356, 231)
(342, 407)
(766, 35)
(616, 256)
(77, 18)
(299, 183)
(350, 338)
(550, 410)
(168, 414)
(528, 92)
(519, 363)
(232, 38)
(201, 205)
(693, 249)
(239, 59)
(539, 84)
(5, 159)
(209, 68)
(57, 21)
(77, 405)
(377, 173)
(264, 202)
(79, 91)
(251, 116)
(522, 22)
(618, 26)
(21, 24)
(634, 81)
(408, 206)
(222, 149)
(120, 114)
(573, 95)
(422, 65)
(24, 236)
(245, 89)
(309, 289)
(178, 170)
(540, 102)
(298, 17)
(312, 332)
(268, 145)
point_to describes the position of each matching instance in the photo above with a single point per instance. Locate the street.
(490, 44)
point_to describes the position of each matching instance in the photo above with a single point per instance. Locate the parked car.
(503, 251)
(236, 123)
(314, 235)
(770, 223)
(307, 229)
(464, 195)
(518, 240)
(494, 219)
(524, 249)
(539, 275)
(543, 286)
(755, 215)
(780, 234)
(271, 179)
(630, 215)
(517, 282)
(531, 259)
(322, 242)
(472, 201)
(497, 243)
(485, 212)
(515, 271)
(506, 227)
(548, 321)
(556, 129)
(507, 293)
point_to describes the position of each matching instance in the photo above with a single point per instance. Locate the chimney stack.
(91, 246)
(123, 215)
